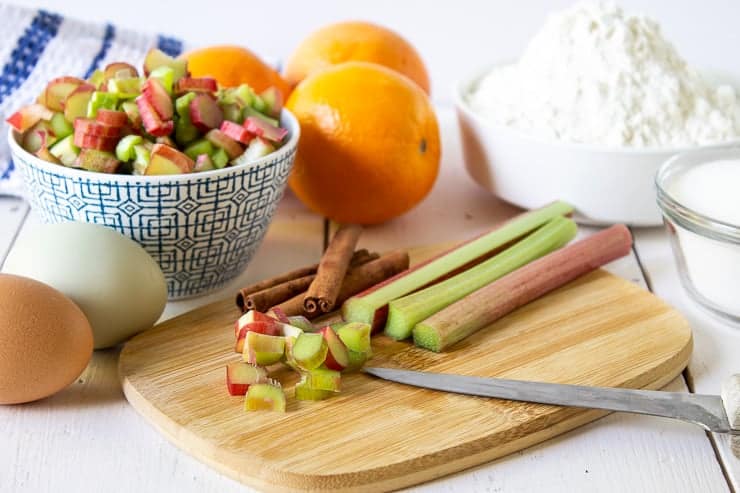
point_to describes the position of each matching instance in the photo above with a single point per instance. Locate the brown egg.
(45, 340)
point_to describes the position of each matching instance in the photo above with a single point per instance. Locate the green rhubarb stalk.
(488, 304)
(404, 313)
(363, 307)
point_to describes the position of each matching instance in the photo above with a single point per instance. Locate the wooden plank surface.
(13, 213)
(716, 343)
(600, 330)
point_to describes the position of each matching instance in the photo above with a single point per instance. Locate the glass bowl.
(707, 249)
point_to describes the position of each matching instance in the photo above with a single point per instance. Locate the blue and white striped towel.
(36, 46)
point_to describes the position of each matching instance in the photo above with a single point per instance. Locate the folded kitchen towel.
(36, 46)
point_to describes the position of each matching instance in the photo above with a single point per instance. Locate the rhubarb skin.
(404, 313)
(369, 306)
(488, 304)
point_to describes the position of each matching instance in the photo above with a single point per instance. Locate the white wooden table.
(88, 439)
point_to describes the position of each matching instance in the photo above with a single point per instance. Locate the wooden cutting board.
(377, 435)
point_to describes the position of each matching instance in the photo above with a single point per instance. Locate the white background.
(90, 439)
(454, 37)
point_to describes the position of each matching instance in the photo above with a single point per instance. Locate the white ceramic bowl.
(202, 228)
(604, 185)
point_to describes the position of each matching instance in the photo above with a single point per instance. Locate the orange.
(369, 147)
(234, 65)
(356, 41)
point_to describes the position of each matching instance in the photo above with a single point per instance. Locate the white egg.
(115, 282)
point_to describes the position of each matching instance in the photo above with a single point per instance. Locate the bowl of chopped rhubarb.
(191, 171)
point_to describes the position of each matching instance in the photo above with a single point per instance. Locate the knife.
(711, 412)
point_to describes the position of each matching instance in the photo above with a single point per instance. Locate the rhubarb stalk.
(404, 313)
(369, 306)
(490, 303)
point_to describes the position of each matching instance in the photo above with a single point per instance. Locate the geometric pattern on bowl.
(202, 230)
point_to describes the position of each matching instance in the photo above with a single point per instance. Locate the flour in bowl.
(596, 75)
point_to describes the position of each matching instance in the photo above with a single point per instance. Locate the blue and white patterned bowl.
(202, 228)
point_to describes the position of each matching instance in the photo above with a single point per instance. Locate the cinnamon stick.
(357, 279)
(266, 298)
(324, 290)
(360, 256)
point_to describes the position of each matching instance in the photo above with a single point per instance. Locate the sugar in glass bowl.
(202, 228)
(698, 195)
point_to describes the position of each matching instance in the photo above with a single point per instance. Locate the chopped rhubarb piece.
(236, 132)
(259, 127)
(354, 335)
(249, 317)
(40, 136)
(291, 331)
(157, 96)
(92, 127)
(97, 142)
(205, 113)
(196, 84)
(125, 147)
(301, 322)
(309, 350)
(223, 141)
(132, 112)
(60, 127)
(157, 58)
(240, 375)
(75, 105)
(151, 120)
(65, 151)
(256, 149)
(58, 89)
(43, 153)
(96, 160)
(273, 328)
(112, 117)
(28, 116)
(166, 160)
(280, 315)
(274, 101)
(261, 349)
(265, 397)
(337, 357)
(120, 70)
(166, 140)
(203, 163)
(322, 379)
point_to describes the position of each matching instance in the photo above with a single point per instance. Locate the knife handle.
(731, 401)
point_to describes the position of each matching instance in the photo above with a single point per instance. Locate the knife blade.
(707, 411)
